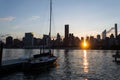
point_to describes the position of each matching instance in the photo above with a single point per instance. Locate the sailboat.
(43, 60)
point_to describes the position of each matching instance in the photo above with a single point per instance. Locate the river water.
(71, 65)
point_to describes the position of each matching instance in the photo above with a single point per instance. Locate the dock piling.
(1, 51)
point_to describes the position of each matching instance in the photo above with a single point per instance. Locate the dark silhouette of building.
(28, 40)
(37, 42)
(76, 42)
(45, 41)
(82, 38)
(98, 37)
(9, 42)
(92, 42)
(116, 32)
(58, 41)
(66, 31)
(112, 41)
(98, 43)
(17, 43)
(66, 39)
(104, 34)
(71, 40)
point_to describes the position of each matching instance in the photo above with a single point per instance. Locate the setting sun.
(85, 44)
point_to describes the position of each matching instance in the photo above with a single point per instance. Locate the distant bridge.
(105, 32)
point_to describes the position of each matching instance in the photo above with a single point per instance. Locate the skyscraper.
(104, 34)
(98, 37)
(66, 31)
(9, 42)
(66, 39)
(115, 30)
(28, 40)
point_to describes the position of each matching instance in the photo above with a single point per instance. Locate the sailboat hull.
(38, 64)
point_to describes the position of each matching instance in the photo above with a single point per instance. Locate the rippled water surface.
(71, 65)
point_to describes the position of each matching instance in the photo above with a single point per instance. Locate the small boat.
(117, 56)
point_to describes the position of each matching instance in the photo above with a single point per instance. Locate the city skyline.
(85, 18)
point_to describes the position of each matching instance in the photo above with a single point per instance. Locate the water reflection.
(67, 65)
(73, 65)
(28, 53)
(85, 62)
(8, 55)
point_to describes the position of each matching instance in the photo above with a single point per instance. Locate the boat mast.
(50, 24)
(50, 18)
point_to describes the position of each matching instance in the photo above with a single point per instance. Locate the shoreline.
(69, 48)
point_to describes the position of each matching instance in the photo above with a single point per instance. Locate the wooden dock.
(14, 65)
(20, 65)
(13, 61)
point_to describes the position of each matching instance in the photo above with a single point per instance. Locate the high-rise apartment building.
(28, 40)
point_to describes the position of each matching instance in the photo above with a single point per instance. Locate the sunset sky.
(85, 17)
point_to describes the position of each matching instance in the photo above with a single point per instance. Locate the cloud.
(34, 18)
(28, 22)
(7, 19)
(16, 27)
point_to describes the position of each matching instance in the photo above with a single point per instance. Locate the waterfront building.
(58, 41)
(71, 40)
(98, 37)
(46, 40)
(112, 40)
(9, 41)
(77, 42)
(28, 40)
(17, 43)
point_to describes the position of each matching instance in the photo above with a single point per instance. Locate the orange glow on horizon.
(85, 44)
